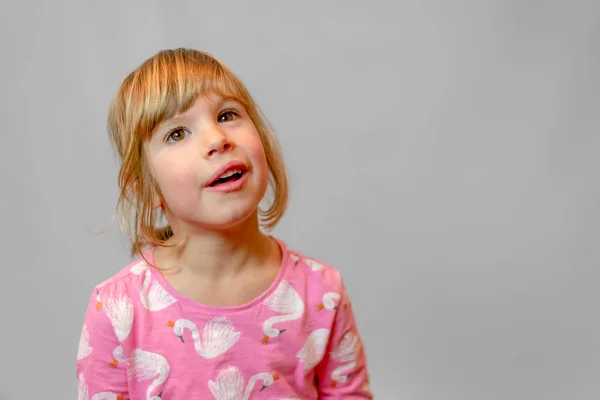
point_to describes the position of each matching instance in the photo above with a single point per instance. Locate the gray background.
(443, 155)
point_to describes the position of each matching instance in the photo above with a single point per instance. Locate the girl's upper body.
(211, 307)
(296, 340)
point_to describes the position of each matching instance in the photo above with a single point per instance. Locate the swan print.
(153, 296)
(346, 353)
(314, 265)
(229, 384)
(150, 366)
(118, 357)
(82, 388)
(84, 349)
(314, 348)
(98, 299)
(84, 395)
(119, 310)
(218, 335)
(108, 396)
(144, 366)
(285, 300)
(330, 301)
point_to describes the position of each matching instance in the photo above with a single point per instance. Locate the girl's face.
(214, 138)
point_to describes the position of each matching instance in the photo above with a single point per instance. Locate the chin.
(235, 213)
(222, 214)
(230, 216)
(230, 221)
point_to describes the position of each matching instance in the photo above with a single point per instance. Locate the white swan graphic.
(284, 300)
(295, 258)
(98, 299)
(218, 336)
(118, 357)
(108, 396)
(119, 310)
(314, 265)
(82, 388)
(83, 393)
(84, 348)
(146, 366)
(347, 353)
(330, 301)
(153, 296)
(314, 348)
(229, 384)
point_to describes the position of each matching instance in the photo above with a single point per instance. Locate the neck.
(220, 253)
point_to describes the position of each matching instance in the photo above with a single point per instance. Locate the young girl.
(211, 307)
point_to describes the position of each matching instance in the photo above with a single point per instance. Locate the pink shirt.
(143, 340)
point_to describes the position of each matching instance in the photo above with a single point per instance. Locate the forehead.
(202, 104)
(212, 99)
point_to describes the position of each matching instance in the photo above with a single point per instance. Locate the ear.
(157, 201)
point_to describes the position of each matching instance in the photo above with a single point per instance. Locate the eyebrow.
(165, 127)
(228, 100)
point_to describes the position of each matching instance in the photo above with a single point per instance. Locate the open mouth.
(230, 176)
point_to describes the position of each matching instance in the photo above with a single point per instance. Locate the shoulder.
(319, 274)
(128, 278)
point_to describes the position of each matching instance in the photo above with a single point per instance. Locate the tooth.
(230, 173)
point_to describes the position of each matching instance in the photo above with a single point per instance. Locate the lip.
(228, 186)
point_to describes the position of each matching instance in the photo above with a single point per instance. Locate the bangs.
(168, 84)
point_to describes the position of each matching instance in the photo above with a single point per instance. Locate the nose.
(216, 141)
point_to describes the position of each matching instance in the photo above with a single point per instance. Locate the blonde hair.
(163, 86)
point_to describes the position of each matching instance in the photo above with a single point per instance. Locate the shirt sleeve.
(342, 374)
(101, 366)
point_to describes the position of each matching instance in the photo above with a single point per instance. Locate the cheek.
(177, 181)
(257, 154)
